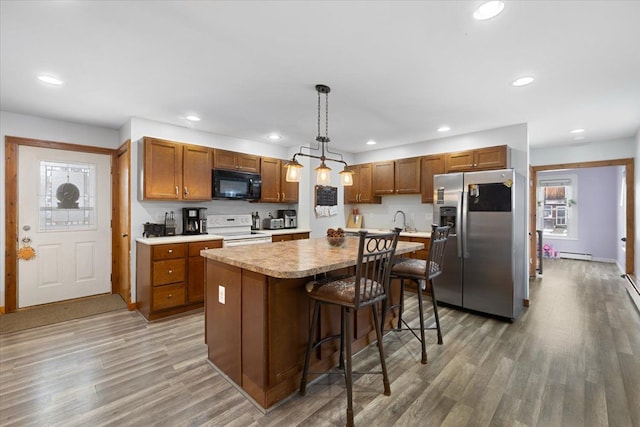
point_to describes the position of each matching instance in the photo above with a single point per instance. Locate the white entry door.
(64, 213)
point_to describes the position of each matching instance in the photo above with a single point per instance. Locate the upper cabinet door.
(224, 159)
(365, 184)
(461, 161)
(407, 176)
(196, 175)
(383, 177)
(248, 163)
(487, 158)
(270, 172)
(491, 158)
(430, 166)
(162, 169)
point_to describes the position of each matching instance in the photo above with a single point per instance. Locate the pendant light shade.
(293, 171)
(323, 174)
(346, 177)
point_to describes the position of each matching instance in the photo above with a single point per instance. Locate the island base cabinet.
(223, 318)
(258, 336)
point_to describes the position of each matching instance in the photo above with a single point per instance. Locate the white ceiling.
(397, 69)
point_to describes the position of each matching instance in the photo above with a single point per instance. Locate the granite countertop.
(296, 258)
(203, 237)
(423, 234)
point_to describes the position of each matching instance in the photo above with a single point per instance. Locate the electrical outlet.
(221, 295)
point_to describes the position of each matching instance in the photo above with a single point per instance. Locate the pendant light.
(323, 172)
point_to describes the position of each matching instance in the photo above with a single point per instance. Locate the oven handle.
(232, 243)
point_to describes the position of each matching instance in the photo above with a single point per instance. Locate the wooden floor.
(572, 359)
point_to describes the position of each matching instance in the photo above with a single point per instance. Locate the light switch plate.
(221, 295)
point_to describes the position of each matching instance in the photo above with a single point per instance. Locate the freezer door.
(488, 242)
(446, 211)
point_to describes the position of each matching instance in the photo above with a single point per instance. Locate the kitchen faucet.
(404, 219)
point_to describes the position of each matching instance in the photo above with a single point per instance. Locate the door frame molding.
(628, 163)
(12, 144)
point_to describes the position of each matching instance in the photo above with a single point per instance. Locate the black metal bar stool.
(365, 289)
(422, 272)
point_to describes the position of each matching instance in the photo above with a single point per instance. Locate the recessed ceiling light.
(274, 137)
(371, 142)
(488, 10)
(50, 80)
(523, 81)
(193, 118)
(444, 129)
(576, 131)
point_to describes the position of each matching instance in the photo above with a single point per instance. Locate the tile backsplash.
(418, 215)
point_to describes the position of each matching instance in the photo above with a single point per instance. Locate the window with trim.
(557, 207)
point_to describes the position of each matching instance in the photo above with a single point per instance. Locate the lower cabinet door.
(167, 296)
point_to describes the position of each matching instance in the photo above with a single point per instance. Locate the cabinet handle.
(283, 197)
(278, 198)
(170, 251)
(186, 191)
(169, 296)
(206, 247)
(176, 191)
(170, 271)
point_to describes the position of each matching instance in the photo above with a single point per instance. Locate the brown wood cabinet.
(170, 277)
(430, 166)
(362, 189)
(486, 158)
(275, 188)
(176, 171)
(397, 176)
(289, 236)
(224, 159)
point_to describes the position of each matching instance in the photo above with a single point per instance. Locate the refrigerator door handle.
(463, 248)
(458, 225)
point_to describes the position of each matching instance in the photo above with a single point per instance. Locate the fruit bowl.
(335, 241)
(335, 237)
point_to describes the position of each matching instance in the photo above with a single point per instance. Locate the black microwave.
(235, 185)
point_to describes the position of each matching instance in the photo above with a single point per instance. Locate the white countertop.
(203, 237)
(422, 234)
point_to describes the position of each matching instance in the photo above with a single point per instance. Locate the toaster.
(272, 223)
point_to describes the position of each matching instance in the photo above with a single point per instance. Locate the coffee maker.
(194, 221)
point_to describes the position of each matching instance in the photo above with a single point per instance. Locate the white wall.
(595, 151)
(20, 125)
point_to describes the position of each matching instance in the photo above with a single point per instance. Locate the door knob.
(125, 235)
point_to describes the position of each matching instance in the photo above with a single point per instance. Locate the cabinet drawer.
(168, 251)
(168, 296)
(169, 271)
(196, 247)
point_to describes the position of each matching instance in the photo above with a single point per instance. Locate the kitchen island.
(257, 312)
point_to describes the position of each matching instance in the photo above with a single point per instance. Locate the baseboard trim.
(132, 306)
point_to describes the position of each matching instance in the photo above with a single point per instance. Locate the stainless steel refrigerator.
(480, 265)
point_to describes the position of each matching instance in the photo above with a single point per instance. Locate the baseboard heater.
(575, 255)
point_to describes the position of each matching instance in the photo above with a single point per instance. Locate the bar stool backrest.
(439, 236)
(375, 258)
